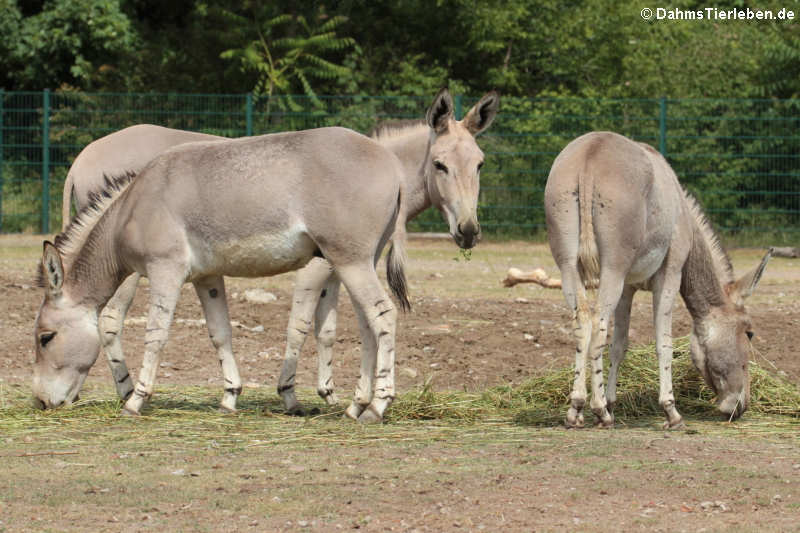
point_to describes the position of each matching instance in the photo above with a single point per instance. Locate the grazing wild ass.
(439, 159)
(121, 152)
(617, 216)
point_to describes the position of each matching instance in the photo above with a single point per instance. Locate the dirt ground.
(465, 332)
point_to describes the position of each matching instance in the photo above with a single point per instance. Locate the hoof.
(574, 419)
(130, 412)
(353, 411)
(331, 399)
(369, 416)
(604, 419)
(227, 410)
(679, 424)
(297, 410)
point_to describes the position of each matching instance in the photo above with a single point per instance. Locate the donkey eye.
(440, 166)
(749, 335)
(44, 338)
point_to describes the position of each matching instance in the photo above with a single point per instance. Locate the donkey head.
(66, 337)
(454, 163)
(720, 344)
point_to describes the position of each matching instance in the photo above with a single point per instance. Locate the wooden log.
(785, 251)
(538, 276)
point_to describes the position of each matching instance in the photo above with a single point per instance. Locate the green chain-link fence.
(740, 157)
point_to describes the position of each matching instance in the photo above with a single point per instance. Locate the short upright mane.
(389, 129)
(722, 262)
(77, 233)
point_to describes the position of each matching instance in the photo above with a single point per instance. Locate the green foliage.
(289, 54)
(70, 42)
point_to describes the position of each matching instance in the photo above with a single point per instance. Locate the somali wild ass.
(246, 207)
(617, 216)
(414, 142)
(435, 158)
(125, 151)
(184, 223)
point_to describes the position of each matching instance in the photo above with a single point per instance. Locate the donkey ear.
(745, 285)
(440, 111)
(482, 114)
(53, 277)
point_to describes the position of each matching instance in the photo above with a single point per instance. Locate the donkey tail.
(588, 256)
(396, 257)
(66, 202)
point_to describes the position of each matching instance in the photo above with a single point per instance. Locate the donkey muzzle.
(734, 405)
(467, 234)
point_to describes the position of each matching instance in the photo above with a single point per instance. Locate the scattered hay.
(190, 414)
(426, 404)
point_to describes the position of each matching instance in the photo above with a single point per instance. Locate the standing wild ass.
(416, 144)
(437, 159)
(617, 217)
(247, 207)
(288, 197)
(121, 152)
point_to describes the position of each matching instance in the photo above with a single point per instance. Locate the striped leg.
(575, 295)
(664, 293)
(325, 331)
(378, 316)
(110, 324)
(619, 344)
(308, 287)
(608, 297)
(211, 292)
(582, 327)
(164, 293)
(366, 380)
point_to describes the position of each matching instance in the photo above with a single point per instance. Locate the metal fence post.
(459, 103)
(662, 126)
(2, 99)
(46, 161)
(249, 114)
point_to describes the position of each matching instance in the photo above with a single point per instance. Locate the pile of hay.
(546, 395)
(543, 399)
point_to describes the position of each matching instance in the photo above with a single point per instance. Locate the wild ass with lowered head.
(617, 217)
(441, 160)
(246, 207)
(121, 152)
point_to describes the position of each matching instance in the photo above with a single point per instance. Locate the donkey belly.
(645, 266)
(266, 254)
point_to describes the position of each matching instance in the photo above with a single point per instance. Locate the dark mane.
(77, 233)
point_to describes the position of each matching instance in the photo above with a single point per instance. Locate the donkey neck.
(411, 144)
(88, 249)
(707, 268)
(93, 272)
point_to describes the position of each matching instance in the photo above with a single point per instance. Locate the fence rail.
(741, 158)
